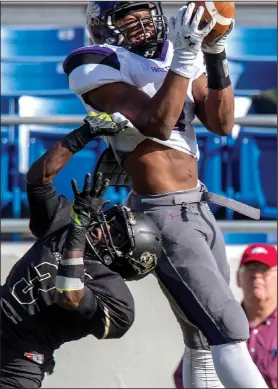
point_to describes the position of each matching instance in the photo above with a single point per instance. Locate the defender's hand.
(95, 125)
(88, 203)
(103, 124)
(187, 39)
(218, 46)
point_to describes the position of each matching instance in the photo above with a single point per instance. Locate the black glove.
(88, 203)
(95, 125)
(86, 206)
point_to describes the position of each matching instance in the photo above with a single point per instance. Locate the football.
(223, 11)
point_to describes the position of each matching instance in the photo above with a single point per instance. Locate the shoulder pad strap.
(109, 167)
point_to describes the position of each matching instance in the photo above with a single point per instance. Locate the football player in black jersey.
(71, 282)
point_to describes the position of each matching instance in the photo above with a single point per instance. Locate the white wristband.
(70, 275)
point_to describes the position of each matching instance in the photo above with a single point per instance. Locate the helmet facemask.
(123, 35)
(119, 254)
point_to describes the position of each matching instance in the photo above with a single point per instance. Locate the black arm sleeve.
(43, 205)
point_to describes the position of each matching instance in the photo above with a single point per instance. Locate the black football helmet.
(134, 255)
(101, 18)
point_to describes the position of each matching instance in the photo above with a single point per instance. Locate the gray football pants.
(193, 271)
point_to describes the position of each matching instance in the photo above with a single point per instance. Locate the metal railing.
(268, 227)
(248, 121)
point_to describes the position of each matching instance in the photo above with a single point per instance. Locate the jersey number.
(26, 291)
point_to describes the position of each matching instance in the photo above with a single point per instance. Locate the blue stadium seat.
(6, 193)
(10, 192)
(33, 78)
(255, 169)
(210, 147)
(252, 43)
(252, 54)
(34, 140)
(8, 105)
(37, 43)
(45, 106)
(211, 163)
(49, 105)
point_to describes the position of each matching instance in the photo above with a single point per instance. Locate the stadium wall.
(144, 358)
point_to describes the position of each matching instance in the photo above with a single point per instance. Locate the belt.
(205, 196)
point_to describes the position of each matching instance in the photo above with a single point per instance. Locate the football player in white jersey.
(159, 76)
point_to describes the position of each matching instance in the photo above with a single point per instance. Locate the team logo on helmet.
(148, 260)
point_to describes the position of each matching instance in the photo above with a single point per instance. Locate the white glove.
(187, 39)
(218, 46)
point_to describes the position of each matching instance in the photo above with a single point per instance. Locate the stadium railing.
(268, 227)
(6, 120)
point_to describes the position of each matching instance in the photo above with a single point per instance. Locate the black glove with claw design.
(95, 125)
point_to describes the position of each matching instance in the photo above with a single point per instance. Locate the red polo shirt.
(262, 346)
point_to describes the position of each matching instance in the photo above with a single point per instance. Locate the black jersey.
(30, 318)
(30, 286)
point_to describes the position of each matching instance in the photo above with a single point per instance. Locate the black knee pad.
(233, 323)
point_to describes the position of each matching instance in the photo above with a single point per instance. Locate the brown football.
(223, 11)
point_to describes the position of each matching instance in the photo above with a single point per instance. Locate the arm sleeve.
(43, 204)
(91, 67)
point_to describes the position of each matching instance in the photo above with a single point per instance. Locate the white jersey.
(93, 66)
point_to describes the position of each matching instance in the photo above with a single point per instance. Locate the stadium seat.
(8, 105)
(252, 53)
(45, 106)
(33, 78)
(10, 192)
(49, 105)
(35, 43)
(255, 169)
(211, 163)
(6, 194)
(34, 140)
(252, 43)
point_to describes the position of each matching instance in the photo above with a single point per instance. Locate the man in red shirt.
(257, 276)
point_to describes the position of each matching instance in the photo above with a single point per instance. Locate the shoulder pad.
(92, 66)
(95, 54)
